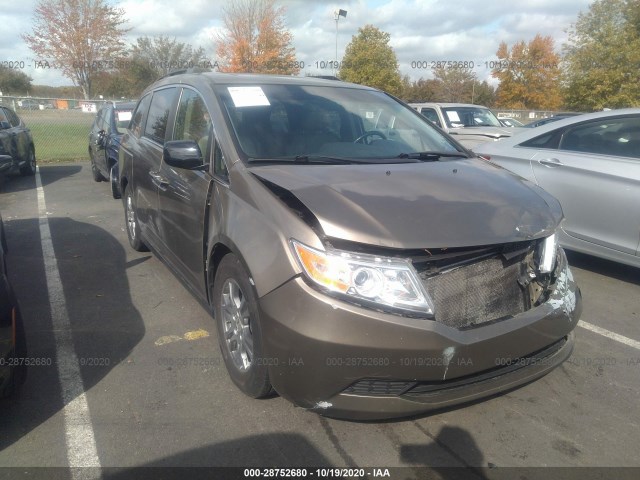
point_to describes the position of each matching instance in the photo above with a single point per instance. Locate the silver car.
(591, 163)
(469, 124)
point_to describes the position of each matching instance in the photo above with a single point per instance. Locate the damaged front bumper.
(344, 360)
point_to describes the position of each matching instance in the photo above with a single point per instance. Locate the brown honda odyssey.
(357, 260)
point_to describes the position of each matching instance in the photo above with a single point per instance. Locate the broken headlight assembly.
(546, 254)
(386, 282)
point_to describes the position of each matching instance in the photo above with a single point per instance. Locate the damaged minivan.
(356, 260)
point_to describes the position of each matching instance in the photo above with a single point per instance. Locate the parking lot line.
(79, 435)
(609, 334)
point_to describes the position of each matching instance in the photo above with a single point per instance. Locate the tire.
(237, 320)
(115, 189)
(97, 176)
(19, 373)
(30, 167)
(131, 222)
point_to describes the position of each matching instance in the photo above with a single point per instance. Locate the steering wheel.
(370, 133)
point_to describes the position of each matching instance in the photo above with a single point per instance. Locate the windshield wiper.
(307, 159)
(326, 160)
(432, 156)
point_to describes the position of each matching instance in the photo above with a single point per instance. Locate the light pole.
(338, 13)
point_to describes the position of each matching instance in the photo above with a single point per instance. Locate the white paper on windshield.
(248, 96)
(124, 116)
(453, 116)
(370, 115)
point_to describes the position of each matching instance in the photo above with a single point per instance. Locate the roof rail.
(187, 70)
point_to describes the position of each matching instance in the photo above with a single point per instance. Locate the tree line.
(597, 67)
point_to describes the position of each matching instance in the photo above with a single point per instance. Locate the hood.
(441, 204)
(489, 132)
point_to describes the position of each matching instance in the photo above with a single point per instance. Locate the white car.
(591, 164)
(469, 124)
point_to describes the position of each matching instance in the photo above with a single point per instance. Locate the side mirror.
(4, 125)
(182, 154)
(100, 139)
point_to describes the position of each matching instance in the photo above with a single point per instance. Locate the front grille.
(540, 357)
(378, 388)
(478, 293)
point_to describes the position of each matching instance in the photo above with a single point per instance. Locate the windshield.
(457, 117)
(299, 121)
(123, 116)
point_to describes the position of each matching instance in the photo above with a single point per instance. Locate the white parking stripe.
(79, 437)
(613, 336)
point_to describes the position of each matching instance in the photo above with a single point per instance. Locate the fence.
(526, 116)
(60, 126)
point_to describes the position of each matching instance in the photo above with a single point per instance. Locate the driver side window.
(193, 121)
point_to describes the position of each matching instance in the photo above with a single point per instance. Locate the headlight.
(386, 281)
(547, 253)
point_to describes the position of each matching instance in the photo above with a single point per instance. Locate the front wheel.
(239, 331)
(18, 354)
(29, 168)
(131, 219)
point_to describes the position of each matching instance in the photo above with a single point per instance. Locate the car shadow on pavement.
(17, 183)
(619, 271)
(457, 443)
(105, 325)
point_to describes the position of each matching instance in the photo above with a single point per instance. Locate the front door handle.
(158, 180)
(551, 162)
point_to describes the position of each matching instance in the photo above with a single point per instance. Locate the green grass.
(59, 135)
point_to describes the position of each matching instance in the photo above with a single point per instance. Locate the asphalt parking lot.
(153, 391)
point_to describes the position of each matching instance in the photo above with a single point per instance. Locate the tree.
(454, 84)
(81, 37)
(602, 57)
(370, 60)
(256, 39)
(164, 54)
(421, 90)
(14, 81)
(529, 75)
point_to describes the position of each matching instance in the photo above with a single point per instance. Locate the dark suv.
(104, 141)
(356, 259)
(17, 153)
(13, 346)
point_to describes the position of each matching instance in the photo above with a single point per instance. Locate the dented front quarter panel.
(253, 223)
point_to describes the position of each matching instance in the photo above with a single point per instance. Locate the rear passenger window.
(158, 116)
(611, 136)
(548, 140)
(13, 118)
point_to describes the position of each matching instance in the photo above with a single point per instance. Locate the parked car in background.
(553, 118)
(13, 346)
(356, 259)
(510, 122)
(591, 164)
(468, 124)
(104, 141)
(17, 152)
(29, 104)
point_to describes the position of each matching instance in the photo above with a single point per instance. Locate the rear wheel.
(113, 179)
(97, 176)
(29, 168)
(131, 219)
(239, 332)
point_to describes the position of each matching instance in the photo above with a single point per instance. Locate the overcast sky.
(421, 30)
